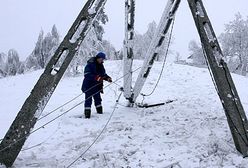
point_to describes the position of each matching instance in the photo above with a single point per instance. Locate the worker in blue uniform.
(94, 75)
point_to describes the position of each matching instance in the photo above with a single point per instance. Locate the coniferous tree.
(21, 69)
(109, 50)
(92, 44)
(196, 53)
(55, 34)
(2, 65)
(44, 50)
(142, 43)
(13, 62)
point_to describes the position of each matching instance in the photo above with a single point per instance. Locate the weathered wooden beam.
(221, 77)
(128, 47)
(44, 88)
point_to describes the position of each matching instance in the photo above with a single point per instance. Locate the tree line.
(234, 43)
(46, 46)
(11, 65)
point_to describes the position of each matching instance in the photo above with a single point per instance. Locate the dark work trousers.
(88, 99)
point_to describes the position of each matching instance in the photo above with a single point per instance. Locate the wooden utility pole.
(128, 47)
(44, 88)
(156, 44)
(221, 77)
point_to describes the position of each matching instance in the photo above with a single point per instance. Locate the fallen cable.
(25, 136)
(104, 128)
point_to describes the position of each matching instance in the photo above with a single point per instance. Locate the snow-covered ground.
(190, 132)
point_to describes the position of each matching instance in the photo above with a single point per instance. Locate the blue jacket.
(91, 71)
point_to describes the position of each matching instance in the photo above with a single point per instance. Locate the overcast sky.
(22, 20)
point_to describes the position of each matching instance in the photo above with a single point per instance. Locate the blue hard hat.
(101, 55)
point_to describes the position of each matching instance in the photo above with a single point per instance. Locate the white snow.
(190, 132)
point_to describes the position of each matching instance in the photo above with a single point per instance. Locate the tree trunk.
(244, 67)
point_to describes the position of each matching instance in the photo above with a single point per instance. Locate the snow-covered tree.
(2, 60)
(13, 62)
(48, 45)
(177, 57)
(55, 34)
(196, 53)
(109, 50)
(234, 43)
(37, 52)
(31, 64)
(148, 36)
(55, 42)
(101, 19)
(2, 64)
(44, 49)
(21, 69)
(138, 46)
(120, 55)
(142, 43)
(92, 44)
(89, 48)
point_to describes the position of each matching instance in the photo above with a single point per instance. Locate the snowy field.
(191, 132)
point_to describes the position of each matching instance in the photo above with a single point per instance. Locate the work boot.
(87, 113)
(99, 110)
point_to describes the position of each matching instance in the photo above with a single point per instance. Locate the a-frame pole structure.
(221, 77)
(128, 54)
(40, 95)
(156, 44)
(44, 88)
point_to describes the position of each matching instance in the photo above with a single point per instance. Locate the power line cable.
(70, 101)
(163, 66)
(59, 107)
(95, 140)
(39, 144)
(67, 111)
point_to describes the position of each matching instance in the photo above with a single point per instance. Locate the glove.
(99, 78)
(109, 79)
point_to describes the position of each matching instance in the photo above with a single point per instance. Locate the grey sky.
(21, 21)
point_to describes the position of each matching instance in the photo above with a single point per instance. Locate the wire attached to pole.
(163, 66)
(25, 136)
